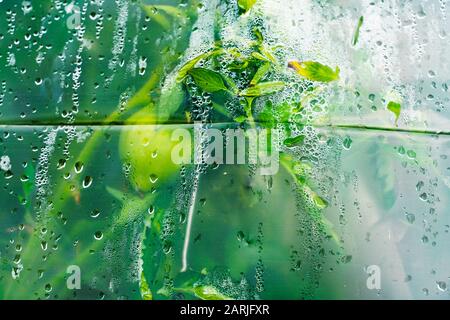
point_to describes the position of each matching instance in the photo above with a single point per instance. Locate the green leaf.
(155, 260)
(315, 71)
(271, 115)
(131, 206)
(319, 201)
(221, 109)
(204, 292)
(209, 81)
(171, 98)
(395, 108)
(191, 64)
(262, 89)
(284, 112)
(168, 9)
(259, 56)
(357, 30)
(117, 194)
(246, 5)
(258, 34)
(28, 186)
(315, 213)
(146, 293)
(156, 16)
(230, 83)
(238, 65)
(295, 141)
(155, 12)
(240, 119)
(267, 54)
(262, 71)
(266, 117)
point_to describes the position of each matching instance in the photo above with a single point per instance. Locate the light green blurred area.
(67, 197)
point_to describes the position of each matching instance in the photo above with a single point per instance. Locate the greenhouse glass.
(224, 149)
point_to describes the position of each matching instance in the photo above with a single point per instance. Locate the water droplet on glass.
(153, 178)
(410, 217)
(79, 167)
(347, 143)
(61, 164)
(423, 196)
(95, 213)
(98, 235)
(87, 181)
(441, 285)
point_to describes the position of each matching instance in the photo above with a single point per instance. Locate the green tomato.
(147, 149)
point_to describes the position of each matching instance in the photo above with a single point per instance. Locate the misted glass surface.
(342, 194)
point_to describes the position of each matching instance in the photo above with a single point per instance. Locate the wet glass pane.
(224, 149)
